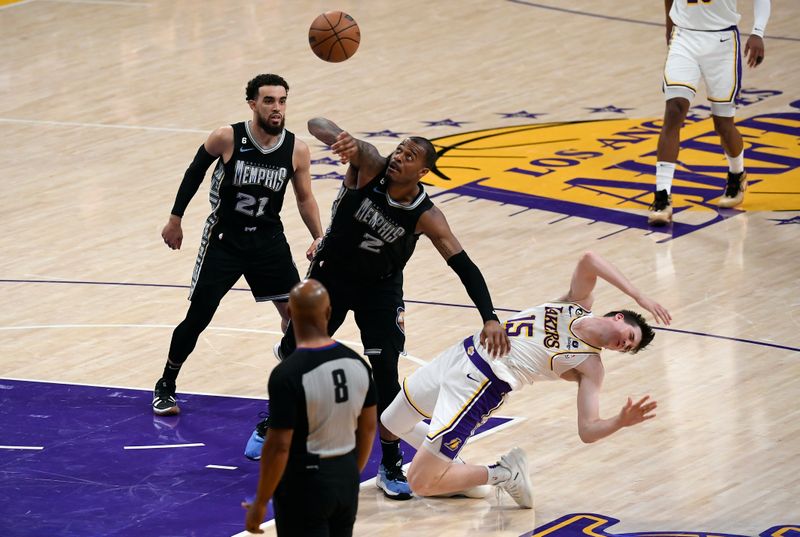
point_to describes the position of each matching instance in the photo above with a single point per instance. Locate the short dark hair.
(251, 92)
(635, 319)
(430, 151)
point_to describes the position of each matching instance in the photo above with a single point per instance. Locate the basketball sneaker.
(734, 191)
(661, 209)
(276, 350)
(518, 486)
(393, 482)
(164, 402)
(256, 441)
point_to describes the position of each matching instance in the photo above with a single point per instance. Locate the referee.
(322, 425)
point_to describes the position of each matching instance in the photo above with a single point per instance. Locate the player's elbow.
(589, 257)
(586, 436)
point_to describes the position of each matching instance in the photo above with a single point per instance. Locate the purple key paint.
(84, 483)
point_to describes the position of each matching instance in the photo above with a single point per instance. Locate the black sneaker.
(661, 209)
(164, 402)
(256, 441)
(734, 190)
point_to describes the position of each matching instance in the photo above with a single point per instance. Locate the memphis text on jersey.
(371, 215)
(253, 174)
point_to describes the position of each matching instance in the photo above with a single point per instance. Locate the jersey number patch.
(371, 244)
(340, 394)
(246, 204)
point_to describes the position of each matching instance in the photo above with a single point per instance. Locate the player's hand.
(754, 51)
(254, 517)
(312, 250)
(494, 339)
(659, 312)
(633, 413)
(173, 233)
(345, 146)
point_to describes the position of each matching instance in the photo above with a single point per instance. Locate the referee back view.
(322, 425)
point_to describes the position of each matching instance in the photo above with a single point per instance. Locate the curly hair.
(251, 92)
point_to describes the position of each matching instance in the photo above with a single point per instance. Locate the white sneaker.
(276, 350)
(518, 486)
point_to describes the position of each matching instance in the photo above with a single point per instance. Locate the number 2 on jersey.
(371, 244)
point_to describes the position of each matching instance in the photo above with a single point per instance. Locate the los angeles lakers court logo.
(605, 170)
(592, 525)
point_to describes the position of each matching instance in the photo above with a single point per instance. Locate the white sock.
(665, 171)
(736, 164)
(498, 474)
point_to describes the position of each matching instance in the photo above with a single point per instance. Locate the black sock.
(392, 456)
(171, 372)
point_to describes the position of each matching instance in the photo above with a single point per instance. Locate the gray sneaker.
(518, 486)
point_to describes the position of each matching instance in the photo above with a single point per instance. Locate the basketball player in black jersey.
(379, 214)
(243, 235)
(322, 401)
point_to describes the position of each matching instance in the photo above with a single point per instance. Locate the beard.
(268, 128)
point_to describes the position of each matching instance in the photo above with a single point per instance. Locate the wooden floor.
(103, 103)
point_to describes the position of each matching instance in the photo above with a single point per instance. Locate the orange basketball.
(334, 36)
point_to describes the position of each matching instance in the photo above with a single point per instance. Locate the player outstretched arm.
(592, 266)
(306, 203)
(364, 159)
(218, 144)
(434, 225)
(591, 427)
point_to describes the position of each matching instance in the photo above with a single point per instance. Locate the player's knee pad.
(399, 417)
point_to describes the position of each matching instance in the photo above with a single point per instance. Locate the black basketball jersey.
(371, 236)
(319, 393)
(247, 192)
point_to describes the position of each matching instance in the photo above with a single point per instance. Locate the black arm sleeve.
(192, 179)
(474, 283)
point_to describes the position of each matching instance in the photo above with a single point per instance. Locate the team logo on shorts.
(470, 350)
(453, 444)
(604, 171)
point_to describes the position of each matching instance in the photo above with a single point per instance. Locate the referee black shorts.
(319, 499)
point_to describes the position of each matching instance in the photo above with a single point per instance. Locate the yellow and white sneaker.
(661, 209)
(734, 191)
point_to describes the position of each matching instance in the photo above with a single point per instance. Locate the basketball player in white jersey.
(461, 387)
(704, 42)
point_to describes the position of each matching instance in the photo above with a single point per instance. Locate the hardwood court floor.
(104, 102)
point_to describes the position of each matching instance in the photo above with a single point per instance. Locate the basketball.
(334, 36)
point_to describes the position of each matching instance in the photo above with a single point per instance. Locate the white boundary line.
(36, 448)
(418, 361)
(102, 2)
(20, 121)
(221, 467)
(165, 446)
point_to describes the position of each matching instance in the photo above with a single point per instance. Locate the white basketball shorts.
(458, 391)
(714, 56)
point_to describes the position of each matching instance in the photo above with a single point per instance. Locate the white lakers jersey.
(543, 345)
(704, 14)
